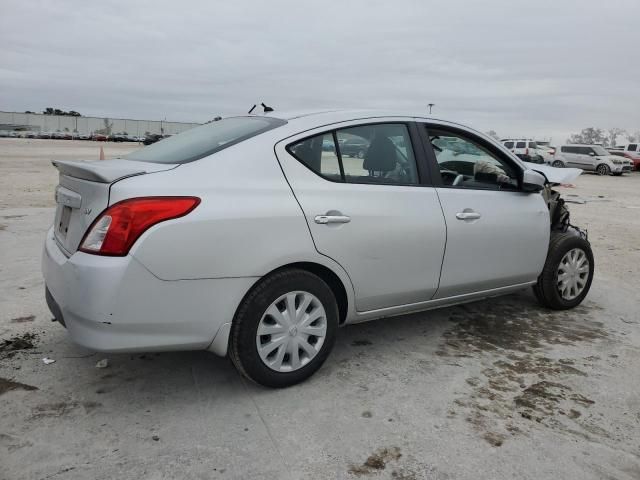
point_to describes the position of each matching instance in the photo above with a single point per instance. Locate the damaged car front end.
(569, 267)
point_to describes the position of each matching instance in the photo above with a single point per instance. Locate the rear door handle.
(468, 215)
(326, 219)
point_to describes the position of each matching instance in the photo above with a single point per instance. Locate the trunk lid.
(83, 193)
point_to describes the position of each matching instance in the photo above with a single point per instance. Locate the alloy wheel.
(602, 170)
(291, 331)
(573, 273)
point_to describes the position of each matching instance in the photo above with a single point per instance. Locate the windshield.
(204, 140)
(599, 150)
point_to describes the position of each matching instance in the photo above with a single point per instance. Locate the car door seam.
(446, 238)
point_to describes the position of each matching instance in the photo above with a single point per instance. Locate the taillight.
(119, 226)
(526, 151)
(552, 151)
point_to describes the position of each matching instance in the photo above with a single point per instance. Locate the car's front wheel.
(603, 169)
(557, 164)
(284, 329)
(568, 272)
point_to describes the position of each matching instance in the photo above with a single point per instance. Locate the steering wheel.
(458, 180)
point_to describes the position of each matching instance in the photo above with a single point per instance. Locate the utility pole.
(431, 105)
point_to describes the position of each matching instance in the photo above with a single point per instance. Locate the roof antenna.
(266, 109)
(252, 108)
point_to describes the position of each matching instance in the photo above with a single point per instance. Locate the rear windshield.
(204, 140)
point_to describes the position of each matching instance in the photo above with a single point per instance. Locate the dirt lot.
(494, 389)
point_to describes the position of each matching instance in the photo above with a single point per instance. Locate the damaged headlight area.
(559, 213)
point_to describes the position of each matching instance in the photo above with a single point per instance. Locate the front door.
(497, 235)
(373, 215)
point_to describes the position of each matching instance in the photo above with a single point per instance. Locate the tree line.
(57, 111)
(608, 138)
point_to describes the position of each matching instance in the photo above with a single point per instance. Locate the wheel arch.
(334, 282)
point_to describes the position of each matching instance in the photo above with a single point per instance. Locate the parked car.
(633, 149)
(152, 138)
(118, 137)
(99, 137)
(628, 156)
(525, 149)
(593, 158)
(243, 238)
(547, 152)
(354, 147)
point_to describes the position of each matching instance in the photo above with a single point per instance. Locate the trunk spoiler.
(108, 171)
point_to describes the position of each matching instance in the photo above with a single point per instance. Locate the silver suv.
(592, 158)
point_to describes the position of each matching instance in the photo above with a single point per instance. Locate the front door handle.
(468, 215)
(326, 219)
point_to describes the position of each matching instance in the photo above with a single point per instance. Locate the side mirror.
(533, 182)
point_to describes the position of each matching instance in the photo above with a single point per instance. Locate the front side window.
(632, 147)
(521, 144)
(508, 144)
(585, 150)
(533, 145)
(598, 150)
(378, 153)
(466, 163)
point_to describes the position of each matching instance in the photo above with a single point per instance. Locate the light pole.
(431, 105)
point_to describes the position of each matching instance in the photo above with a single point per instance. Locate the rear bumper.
(114, 304)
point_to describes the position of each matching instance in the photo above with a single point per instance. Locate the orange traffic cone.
(101, 153)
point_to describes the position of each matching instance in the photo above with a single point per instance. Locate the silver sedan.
(259, 236)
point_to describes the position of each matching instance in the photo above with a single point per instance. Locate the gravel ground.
(494, 389)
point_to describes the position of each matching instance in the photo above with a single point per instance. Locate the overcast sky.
(523, 68)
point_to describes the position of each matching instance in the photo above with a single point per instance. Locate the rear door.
(584, 158)
(570, 156)
(497, 235)
(377, 216)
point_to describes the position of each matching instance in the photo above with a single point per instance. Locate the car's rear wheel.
(603, 169)
(568, 272)
(284, 329)
(557, 164)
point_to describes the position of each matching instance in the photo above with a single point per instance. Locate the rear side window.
(204, 140)
(379, 153)
(521, 145)
(569, 149)
(319, 153)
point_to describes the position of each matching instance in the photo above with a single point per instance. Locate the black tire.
(603, 169)
(242, 343)
(557, 164)
(546, 289)
(617, 174)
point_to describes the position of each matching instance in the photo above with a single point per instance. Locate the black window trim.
(422, 170)
(494, 150)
